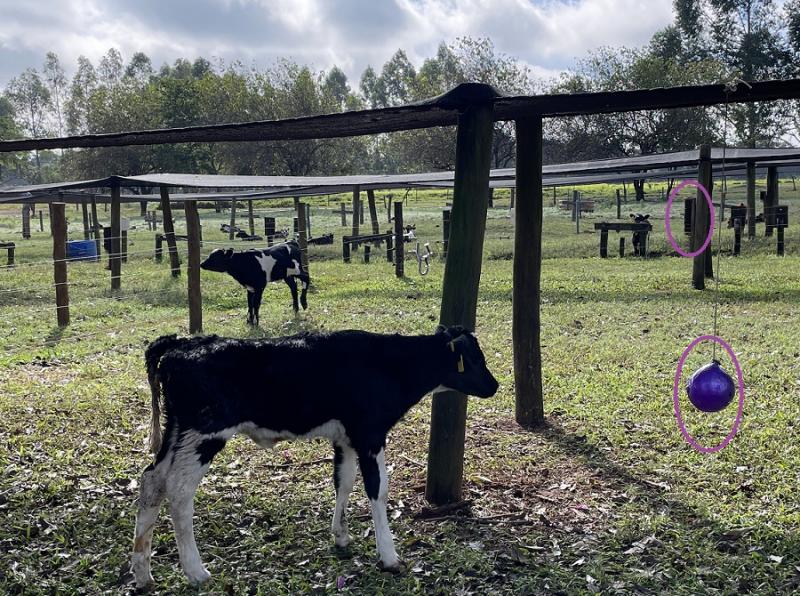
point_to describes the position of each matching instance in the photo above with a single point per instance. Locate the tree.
(56, 84)
(31, 99)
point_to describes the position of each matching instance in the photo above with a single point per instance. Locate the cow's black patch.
(208, 449)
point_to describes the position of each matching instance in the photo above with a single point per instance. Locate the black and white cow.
(639, 239)
(210, 393)
(254, 269)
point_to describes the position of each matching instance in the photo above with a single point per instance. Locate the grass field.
(607, 498)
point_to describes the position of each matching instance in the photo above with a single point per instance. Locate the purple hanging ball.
(710, 388)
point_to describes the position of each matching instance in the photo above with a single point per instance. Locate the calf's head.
(218, 260)
(466, 370)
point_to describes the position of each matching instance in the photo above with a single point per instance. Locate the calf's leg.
(305, 280)
(152, 493)
(376, 483)
(249, 307)
(192, 459)
(257, 303)
(290, 281)
(344, 475)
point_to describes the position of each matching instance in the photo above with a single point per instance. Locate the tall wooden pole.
(233, 219)
(373, 211)
(751, 200)
(96, 227)
(460, 292)
(58, 226)
(115, 259)
(701, 219)
(169, 232)
(250, 221)
(356, 210)
(772, 200)
(302, 234)
(85, 213)
(193, 267)
(527, 274)
(399, 242)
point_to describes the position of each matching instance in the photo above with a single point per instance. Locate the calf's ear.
(228, 252)
(441, 330)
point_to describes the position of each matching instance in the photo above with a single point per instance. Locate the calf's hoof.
(342, 552)
(199, 577)
(393, 568)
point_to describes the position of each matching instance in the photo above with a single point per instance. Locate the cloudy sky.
(547, 34)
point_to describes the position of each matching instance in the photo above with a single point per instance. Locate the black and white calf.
(254, 269)
(214, 388)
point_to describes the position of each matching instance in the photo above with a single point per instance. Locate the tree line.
(709, 41)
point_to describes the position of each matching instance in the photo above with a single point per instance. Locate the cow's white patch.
(250, 289)
(333, 430)
(383, 535)
(296, 270)
(267, 262)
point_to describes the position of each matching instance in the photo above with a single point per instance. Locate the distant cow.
(254, 269)
(212, 388)
(638, 237)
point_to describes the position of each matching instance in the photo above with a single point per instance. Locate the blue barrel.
(81, 249)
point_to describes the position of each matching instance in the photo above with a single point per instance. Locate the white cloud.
(548, 35)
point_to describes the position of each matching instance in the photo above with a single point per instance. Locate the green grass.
(607, 498)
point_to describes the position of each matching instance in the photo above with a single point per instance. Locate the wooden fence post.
(737, 236)
(41, 220)
(373, 211)
(58, 226)
(622, 247)
(619, 205)
(86, 226)
(356, 210)
(399, 242)
(193, 267)
(169, 232)
(269, 230)
(344, 214)
(26, 221)
(233, 219)
(115, 258)
(345, 249)
(513, 198)
(526, 325)
(251, 224)
(751, 200)
(460, 291)
(159, 247)
(701, 220)
(302, 235)
(445, 230)
(96, 230)
(772, 200)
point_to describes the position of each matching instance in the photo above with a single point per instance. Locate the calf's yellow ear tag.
(452, 346)
(461, 363)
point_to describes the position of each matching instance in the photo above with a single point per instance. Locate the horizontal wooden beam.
(574, 104)
(439, 111)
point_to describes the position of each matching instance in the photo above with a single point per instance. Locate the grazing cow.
(214, 388)
(254, 269)
(639, 237)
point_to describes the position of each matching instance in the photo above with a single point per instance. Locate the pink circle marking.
(671, 198)
(675, 395)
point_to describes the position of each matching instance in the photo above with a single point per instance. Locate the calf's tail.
(152, 358)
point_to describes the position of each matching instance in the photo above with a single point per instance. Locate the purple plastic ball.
(710, 388)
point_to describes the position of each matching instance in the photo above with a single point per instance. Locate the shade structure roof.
(222, 187)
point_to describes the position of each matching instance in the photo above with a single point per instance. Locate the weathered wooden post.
(780, 245)
(344, 214)
(86, 226)
(373, 211)
(251, 224)
(619, 205)
(41, 222)
(345, 249)
(96, 228)
(701, 219)
(527, 272)
(115, 258)
(575, 200)
(367, 251)
(751, 200)
(169, 232)
(460, 288)
(159, 253)
(58, 227)
(622, 247)
(604, 243)
(491, 198)
(269, 230)
(26, 221)
(302, 234)
(445, 230)
(231, 233)
(389, 249)
(772, 200)
(737, 237)
(399, 242)
(193, 267)
(356, 210)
